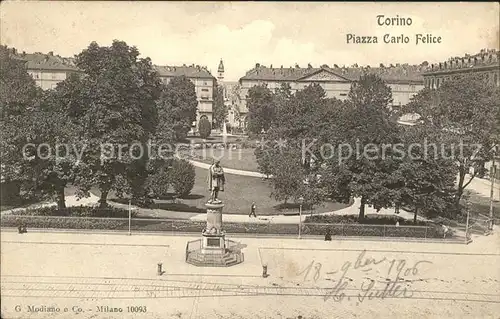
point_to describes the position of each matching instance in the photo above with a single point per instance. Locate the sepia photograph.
(244, 160)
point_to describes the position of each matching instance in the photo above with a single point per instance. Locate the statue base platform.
(213, 249)
(213, 243)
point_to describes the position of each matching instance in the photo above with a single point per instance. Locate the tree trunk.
(460, 186)
(362, 209)
(103, 200)
(61, 201)
(481, 169)
(415, 215)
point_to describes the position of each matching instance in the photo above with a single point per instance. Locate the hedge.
(64, 222)
(373, 230)
(152, 224)
(369, 219)
(76, 211)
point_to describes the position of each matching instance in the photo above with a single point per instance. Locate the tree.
(428, 182)
(264, 160)
(19, 96)
(118, 115)
(177, 107)
(299, 116)
(182, 177)
(220, 109)
(288, 175)
(52, 168)
(260, 109)
(204, 128)
(366, 126)
(464, 112)
(282, 97)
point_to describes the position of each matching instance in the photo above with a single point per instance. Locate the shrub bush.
(182, 177)
(204, 128)
(158, 182)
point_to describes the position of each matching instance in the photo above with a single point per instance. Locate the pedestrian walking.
(252, 210)
(446, 230)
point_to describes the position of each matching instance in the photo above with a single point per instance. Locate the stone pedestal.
(214, 217)
(213, 238)
(213, 248)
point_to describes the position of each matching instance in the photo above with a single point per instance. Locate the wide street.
(89, 275)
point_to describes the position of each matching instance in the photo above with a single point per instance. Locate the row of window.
(37, 76)
(434, 83)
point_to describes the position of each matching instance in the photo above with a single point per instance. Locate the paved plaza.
(68, 275)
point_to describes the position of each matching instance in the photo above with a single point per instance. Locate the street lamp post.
(301, 200)
(129, 217)
(493, 171)
(467, 203)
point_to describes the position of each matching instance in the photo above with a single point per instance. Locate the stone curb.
(240, 235)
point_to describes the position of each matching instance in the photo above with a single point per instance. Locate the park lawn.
(242, 159)
(239, 193)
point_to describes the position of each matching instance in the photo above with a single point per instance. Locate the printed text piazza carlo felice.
(384, 21)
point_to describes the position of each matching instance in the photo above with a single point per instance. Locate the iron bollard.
(264, 271)
(160, 272)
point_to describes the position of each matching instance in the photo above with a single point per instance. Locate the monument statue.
(213, 249)
(216, 181)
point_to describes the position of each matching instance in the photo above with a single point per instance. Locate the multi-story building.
(485, 62)
(404, 80)
(47, 69)
(203, 81)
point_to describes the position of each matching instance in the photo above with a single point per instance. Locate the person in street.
(252, 210)
(328, 235)
(446, 230)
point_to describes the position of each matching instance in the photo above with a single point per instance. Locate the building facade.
(204, 84)
(47, 69)
(485, 62)
(404, 80)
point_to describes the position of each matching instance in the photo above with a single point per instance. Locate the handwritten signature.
(392, 288)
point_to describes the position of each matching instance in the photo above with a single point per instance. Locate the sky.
(246, 33)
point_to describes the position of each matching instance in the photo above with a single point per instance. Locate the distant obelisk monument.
(213, 249)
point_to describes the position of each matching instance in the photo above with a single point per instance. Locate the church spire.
(220, 71)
